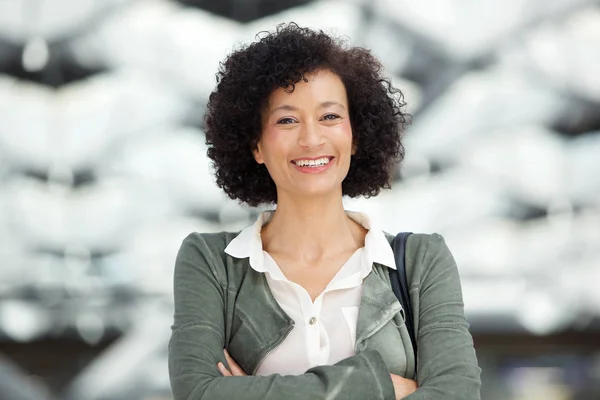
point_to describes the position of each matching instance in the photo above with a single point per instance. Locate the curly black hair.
(281, 59)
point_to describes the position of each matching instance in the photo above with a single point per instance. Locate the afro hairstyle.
(280, 59)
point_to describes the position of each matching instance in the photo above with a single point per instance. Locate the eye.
(330, 117)
(286, 121)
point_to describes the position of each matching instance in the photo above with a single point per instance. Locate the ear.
(257, 153)
(353, 148)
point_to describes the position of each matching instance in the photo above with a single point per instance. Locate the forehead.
(320, 86)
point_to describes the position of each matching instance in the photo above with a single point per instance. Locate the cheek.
(347, 125)
(346, 131)
(273, 145)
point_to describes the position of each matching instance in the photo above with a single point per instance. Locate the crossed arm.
(402, 386)
(197, 344)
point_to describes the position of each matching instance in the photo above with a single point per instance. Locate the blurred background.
(103, 172)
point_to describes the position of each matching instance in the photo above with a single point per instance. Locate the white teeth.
(312, 163)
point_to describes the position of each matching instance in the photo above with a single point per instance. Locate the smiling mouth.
(317, 162)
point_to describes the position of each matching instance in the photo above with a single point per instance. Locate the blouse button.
(312, 321)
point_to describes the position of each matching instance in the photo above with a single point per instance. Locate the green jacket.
(220, 301)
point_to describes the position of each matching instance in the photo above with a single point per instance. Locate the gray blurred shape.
(126, 370)
(479, 103)
(75, 126)
(20, 20)
(16, 385)
(565, 52)
(466, 29)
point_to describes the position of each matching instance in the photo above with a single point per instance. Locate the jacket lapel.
(261, 323)
(264, 324)
(377, 307)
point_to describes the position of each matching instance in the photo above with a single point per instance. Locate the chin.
(320, 191)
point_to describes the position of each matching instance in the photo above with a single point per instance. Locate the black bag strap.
(400, 285)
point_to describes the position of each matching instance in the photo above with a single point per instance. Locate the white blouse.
(324, 331)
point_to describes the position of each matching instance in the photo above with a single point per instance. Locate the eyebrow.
(325, 104)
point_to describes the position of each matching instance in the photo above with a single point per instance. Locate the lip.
(313, 170)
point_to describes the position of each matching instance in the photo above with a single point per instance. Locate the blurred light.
(22, 321)
(539, 383)
(542, 313)
(90, 327)
(36, 55)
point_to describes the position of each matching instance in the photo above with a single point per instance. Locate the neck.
(311, 229)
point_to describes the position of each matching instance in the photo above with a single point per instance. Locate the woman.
(299, 305)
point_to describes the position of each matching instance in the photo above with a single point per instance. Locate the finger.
(223, 370)
(235, 368)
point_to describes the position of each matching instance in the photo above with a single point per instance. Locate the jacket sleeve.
(197, 343)
(447, 364)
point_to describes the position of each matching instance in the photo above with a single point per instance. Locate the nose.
(310, 136)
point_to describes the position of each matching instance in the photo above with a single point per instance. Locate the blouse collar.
(248, 243)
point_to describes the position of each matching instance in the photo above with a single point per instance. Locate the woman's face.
(306, 139)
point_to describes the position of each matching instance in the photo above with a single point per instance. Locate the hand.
(235, 369)
(403, 386)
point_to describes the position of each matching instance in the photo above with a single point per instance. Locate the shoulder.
(204, 252)
(207, 242)
(425, 252)
(422, 242)
(425, 243)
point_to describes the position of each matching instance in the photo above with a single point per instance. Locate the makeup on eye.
(289, 120)
(326, 117)
(335, 116)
